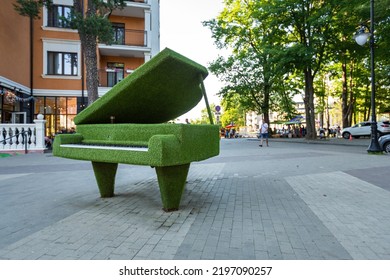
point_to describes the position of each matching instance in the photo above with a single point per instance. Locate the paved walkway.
(288, 201)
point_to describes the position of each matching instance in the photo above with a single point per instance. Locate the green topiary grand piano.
(128, 125)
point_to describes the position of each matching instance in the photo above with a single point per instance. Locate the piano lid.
(160, 90)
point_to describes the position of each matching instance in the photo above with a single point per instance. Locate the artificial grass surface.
(169, 144)
(160, 90)
(4, 155)
(105, 177)
(172, 181)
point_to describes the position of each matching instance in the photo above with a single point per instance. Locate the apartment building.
(51, 81)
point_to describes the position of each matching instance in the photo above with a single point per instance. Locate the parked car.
(384, 142)
(364, 129)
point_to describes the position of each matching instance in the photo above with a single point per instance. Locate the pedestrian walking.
(263, 133)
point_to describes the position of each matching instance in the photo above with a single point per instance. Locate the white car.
(364, 129)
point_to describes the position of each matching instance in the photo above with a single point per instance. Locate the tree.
(232, 112)
(354, 59)
(276, 39)
(346, 54)
(31, 8)
(90, 18)
(308, 31)
(382, 58)
(252, 71)
(93, 25)
(204, 118)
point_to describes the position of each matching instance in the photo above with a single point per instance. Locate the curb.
(339, 142)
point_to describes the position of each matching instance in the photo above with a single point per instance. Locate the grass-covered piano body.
(128, 125)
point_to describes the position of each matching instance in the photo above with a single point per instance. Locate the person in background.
(322, 133)
(263, 133)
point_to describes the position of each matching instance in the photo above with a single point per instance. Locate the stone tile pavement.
(287, 201)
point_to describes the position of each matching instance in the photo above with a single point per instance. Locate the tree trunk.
(309, 105)
(89, 47)
(92, 78)
(265, 108)
(344, 98)
(351, 105)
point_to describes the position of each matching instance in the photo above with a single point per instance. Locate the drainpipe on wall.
(31, 69)
(82, 68)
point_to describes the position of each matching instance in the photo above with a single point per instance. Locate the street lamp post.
(361, 38)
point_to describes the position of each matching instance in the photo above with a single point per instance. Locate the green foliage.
(94, 25)
(31, 8)
(204, 116)
(232, 111)
(95, 22)
(254, 72)
(281, 48)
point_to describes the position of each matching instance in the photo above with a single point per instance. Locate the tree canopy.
(280, 48)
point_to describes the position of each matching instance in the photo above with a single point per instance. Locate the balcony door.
(115, 73)
(119, 33)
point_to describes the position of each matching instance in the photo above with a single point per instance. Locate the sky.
(181, 30)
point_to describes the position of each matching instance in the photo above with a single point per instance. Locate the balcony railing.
(110, 77)
(131, 37)
(139, 1)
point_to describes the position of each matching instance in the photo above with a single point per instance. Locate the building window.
(115, 73)
(58, 15)
(60, 63)
(119, 33)
(61, 59)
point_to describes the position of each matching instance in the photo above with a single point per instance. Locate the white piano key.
(121, 148)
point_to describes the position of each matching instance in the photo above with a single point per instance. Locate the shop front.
(59, 113)
(15, 106)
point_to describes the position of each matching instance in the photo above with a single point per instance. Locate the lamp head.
(361, 36)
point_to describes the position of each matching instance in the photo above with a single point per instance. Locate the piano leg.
(172, 180)
(105, 177)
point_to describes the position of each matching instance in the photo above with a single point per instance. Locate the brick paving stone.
(359, 223)
(286, 202)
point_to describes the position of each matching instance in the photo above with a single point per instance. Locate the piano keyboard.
(105, 147)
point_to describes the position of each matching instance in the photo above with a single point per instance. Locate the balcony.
(134, 8)
(109, 77)
(128, 43)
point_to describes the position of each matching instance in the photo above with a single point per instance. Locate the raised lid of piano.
(129, 125)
